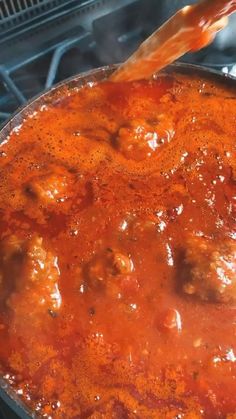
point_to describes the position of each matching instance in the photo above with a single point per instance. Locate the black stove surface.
(45, 41)
(5, 412)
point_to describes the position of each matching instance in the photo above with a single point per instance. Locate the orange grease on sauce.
(101, 312)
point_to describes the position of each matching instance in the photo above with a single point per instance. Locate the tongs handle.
(191, 28)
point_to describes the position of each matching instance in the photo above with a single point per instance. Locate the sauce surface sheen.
(118, 252)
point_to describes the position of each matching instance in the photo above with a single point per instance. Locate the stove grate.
(88, 34)
(16, 12)
(46, 41)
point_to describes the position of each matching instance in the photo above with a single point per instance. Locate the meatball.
(103, 268)
(11, 259)
(112, 409)
(210, 269)
(29, 276)
(51, 187)
(139, 139)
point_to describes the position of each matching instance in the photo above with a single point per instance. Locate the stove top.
(72, 37)
(5, 413)
(45, 41)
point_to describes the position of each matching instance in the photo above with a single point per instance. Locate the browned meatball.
(51, 187)
(106, 266)
(139, 139)
(28, 273)
(112, 409)
(11, 259)
(210, 269)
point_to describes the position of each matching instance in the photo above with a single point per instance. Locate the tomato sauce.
(118, 252)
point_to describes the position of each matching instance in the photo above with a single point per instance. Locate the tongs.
(190, 29)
